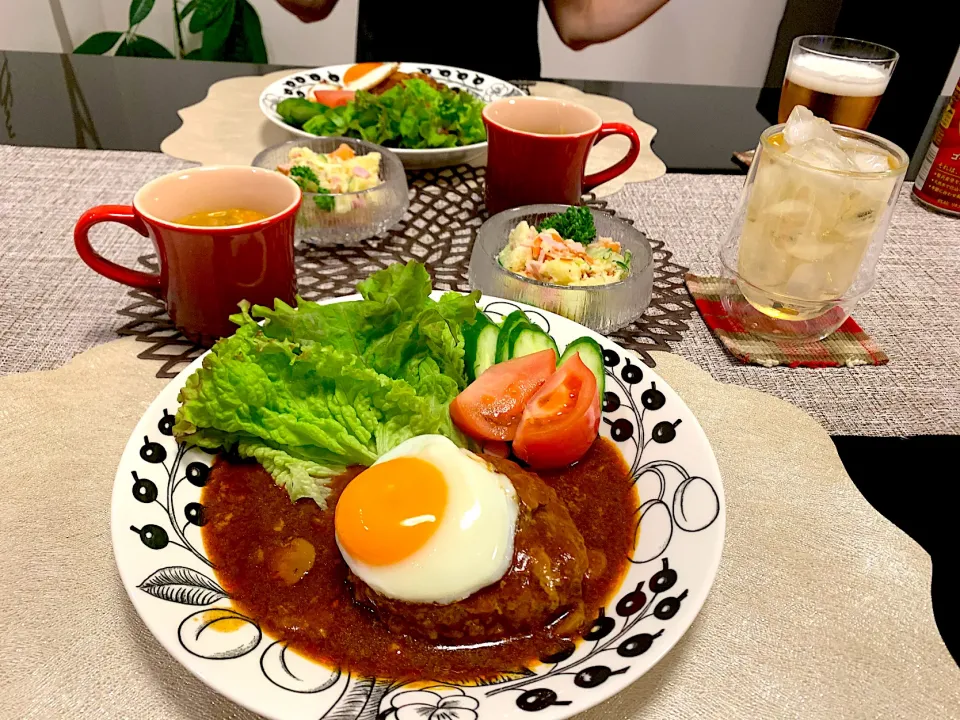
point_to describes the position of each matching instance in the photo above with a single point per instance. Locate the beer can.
(938, 183)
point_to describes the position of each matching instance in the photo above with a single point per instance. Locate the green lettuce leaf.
(412, 114)
(317, 388)
(300, 478)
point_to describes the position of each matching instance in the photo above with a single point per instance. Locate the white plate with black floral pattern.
(485, 87)
(156, 519)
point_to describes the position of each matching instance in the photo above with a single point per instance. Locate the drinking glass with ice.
(813, 213)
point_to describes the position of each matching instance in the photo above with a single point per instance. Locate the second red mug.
(206, 271)
(537, 151)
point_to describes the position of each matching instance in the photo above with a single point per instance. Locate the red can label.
(938, 182)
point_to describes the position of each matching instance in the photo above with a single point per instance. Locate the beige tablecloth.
(821, 608)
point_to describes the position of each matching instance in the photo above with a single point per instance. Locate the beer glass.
(840, 79)
(803, 246)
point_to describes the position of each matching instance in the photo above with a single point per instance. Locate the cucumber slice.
(479, 346)
(528, 339)
(592, 356)
(486, 349)
(511, 321)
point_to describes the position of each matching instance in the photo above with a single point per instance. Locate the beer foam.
(837, 76)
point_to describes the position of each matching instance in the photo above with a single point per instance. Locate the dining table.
(78, 131)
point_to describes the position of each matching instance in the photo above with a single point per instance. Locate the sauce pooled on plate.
(258, 542)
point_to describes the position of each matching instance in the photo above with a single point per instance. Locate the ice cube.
(792, 216)
(759, 261)
(858, 221)
(808, 247)
(871, 162)
(803, 126)
(822, 154)
(807, 282)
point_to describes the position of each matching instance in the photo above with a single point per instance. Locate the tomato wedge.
(491, 406)
(333, 98)
(562, 420)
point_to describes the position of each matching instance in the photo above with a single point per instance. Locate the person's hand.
(309, 11)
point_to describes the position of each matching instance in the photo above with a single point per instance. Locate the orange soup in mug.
(206, 265)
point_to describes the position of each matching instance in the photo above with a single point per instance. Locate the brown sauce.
(259, 542)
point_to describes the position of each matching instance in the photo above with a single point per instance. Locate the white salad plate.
(156, 516)
(485, 87)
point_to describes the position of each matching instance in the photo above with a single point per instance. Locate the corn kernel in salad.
(549, 258)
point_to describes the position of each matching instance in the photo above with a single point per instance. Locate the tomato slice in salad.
(333, 98)
(562, 420)
(491, 406)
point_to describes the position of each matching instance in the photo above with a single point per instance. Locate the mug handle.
(606, 130)
(124, 215)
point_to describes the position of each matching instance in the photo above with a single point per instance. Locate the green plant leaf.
(215, 36)
(207, 12)
(188, 8)
(252, 34)
(194, 55)
(98, 44)
(139, 9)
(140, 46)
(245, 41)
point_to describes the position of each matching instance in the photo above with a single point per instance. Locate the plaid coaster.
(848, 346)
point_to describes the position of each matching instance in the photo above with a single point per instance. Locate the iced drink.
(818, 200)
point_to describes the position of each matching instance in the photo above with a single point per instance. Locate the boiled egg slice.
(428, 522)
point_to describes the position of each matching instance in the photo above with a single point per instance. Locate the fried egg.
(428, 522)
(364, 76)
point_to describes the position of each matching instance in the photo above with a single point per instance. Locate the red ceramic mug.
(537, 151)
(206, 271)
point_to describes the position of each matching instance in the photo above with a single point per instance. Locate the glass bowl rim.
(638, 236)
(846, 131)
(385, 153)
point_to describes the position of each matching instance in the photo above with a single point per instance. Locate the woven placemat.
(446, 210)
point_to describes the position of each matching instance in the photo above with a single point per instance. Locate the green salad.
(410, 115)
(317, 388)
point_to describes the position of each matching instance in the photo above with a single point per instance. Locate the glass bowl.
(356, 216)
(603, 308)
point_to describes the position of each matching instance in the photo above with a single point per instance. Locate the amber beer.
(839, 79)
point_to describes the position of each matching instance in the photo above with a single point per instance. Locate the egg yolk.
(390, 510)
(355, 72)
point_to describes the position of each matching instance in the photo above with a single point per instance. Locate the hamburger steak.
(543, 586)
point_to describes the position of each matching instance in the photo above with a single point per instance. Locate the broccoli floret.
(576, 223)
(324, 200)
(306, 178)
(309, 182)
